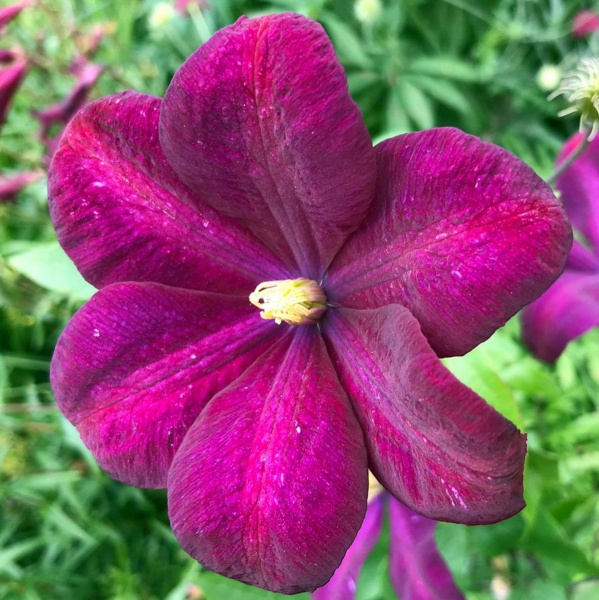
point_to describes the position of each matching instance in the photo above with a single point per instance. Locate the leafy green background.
(69, 531)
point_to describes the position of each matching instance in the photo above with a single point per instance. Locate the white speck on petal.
(96, 333)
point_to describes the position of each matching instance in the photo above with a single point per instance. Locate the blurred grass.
(69, 531)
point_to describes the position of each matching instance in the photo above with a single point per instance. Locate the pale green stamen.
(294, 301)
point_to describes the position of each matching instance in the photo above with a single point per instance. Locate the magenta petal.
(417, 569)
(121, 214)
(582, 259)
(259, 120)
(579, 186)
(569, 308)
(139, 361)
(462, 233)
(344, 582)
(432, 442)
(269, 486)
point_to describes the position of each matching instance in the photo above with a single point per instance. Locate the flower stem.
(564, 166)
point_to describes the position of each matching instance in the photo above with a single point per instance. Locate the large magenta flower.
(570, 307)
(255, 175)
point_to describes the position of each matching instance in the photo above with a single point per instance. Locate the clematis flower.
(416, 568)
(274, 298)
(585, 23)
(570, 307)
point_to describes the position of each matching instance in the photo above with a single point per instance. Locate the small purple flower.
(62, 112)
(570, 307)
(181, 5)
(255, 178)
(8, 13)
(585, 23)
(416, 568)
(11, 185)
(10, 80)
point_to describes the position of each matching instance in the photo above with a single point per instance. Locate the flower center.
(295, 301)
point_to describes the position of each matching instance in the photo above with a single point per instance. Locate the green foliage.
(66, 529)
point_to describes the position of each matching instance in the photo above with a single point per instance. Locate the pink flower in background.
(59, 114)
(416, 568)
(585, 23)
(11, 185)
(181, 5)
(8, 13)
(254, 180)
(570, 307)
(15, 70)
(11, 77)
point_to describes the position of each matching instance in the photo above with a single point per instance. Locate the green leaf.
(417, 106)
(445, 92)
(448, 68)
(586, 590)
(47, 265)
(546, 539)
(497, 539)
(477, 372)
(347, 44)
(216, 587)
(540, 590)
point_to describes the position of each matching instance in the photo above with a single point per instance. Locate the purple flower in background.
(8, 13)
(11, 185)
(255, 178)
(585, 23)
(416, 568)
(181, 5)
(62, 112)
(570, 307)
(11, 75)
(10, 80)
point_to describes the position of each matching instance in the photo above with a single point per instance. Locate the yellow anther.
(295, 301)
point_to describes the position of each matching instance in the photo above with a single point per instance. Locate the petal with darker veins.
(462, 233)
(137, 364)
(259, 120)
(121, 213)
(432, 442)
(269, 486)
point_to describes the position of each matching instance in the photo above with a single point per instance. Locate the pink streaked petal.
(579, 186)
(462, 233)
(136, 365)
(269, 486)
(121, 213)
(432, 442)
(568, 309)
(259, 120)
(417, 569)
(344, 583)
